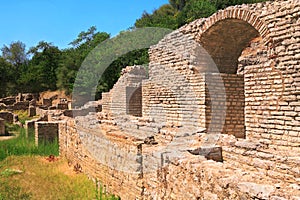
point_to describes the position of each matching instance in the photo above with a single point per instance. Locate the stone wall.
(235, 72)
(45, 132)
(132, 169)
(31, 111)
(225, 111)
(175, 91)
(134, 101)
(7, 116)
(23, 105)
(47, 102)
(109, 159)
(125, 91)
(2, 126)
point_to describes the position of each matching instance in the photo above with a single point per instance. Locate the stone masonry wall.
(2, 126)
(271, 85)
(227, 114)
(175, 91)
(270, 79)
(45, 132)
(7, 116)
(134, 101)
(263, 163)
(78, 140)
(117, 101)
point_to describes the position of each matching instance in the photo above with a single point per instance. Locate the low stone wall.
(79, 112)
(62, 106)
(30, 124)
(47, 102)
(31, 111)
(2, 126)
(23, 105)
(45, 132)
(107, 160)
(8, 100)
(7, 116)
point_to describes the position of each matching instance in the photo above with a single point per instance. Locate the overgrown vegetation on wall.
(46, 67)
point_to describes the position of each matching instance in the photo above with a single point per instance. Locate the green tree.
(40, 73)
(164, 17)
(178, 4)
(221, 4)
(7, 78)
(179, 12)
(195, 9)
(15, 53)
(73, 57)
(66, 73)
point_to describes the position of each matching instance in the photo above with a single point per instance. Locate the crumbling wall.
(2, 126)
(134, 101)
(117, 101)
(175, 91)
(7, 116)
(45, 132)
(22, 105)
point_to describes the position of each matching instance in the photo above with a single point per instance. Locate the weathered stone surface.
(45, 132)
(7, 116)
(256, 190)
(31, 111)
(234, 76)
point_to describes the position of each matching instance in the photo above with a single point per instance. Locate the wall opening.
(134, 101)
(225, 42)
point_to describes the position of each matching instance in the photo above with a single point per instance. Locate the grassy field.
(22, 145)
(25, 173)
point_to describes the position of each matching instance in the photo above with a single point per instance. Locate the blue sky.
(60, 21)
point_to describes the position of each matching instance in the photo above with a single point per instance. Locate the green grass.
(26, 175)
(34, 178)
(21, 145)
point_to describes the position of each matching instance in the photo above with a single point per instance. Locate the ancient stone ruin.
(38, 107)
(2, 127)
(216, 116)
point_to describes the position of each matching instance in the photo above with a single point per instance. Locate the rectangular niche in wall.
(134, 101)
(231, 106)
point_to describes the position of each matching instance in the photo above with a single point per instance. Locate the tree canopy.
(179, 12)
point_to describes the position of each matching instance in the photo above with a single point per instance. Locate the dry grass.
(42, 179)
(33, 177)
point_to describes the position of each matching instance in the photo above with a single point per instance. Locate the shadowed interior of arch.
(225, 41)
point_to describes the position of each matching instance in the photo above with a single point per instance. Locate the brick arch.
(227, 33)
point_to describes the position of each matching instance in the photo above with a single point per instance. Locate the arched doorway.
(225, 39)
